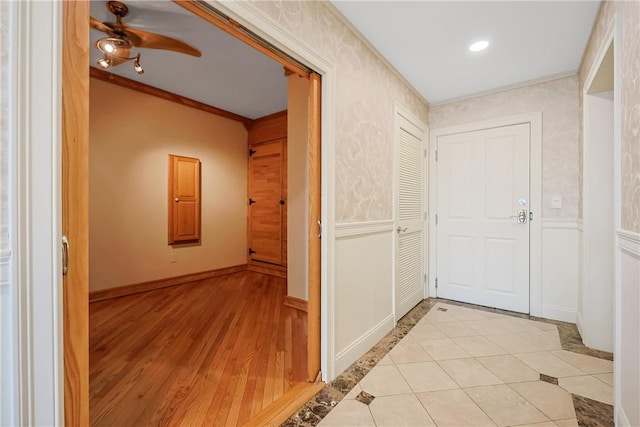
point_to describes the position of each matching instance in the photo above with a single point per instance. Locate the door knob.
(401, 230)
(521, 216)
(176, 199)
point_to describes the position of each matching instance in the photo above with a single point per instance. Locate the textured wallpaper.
(365, 95)
(558, 101)
(630, 94)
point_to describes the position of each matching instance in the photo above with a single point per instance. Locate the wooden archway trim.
(234, 28)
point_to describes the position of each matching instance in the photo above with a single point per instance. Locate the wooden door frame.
(75, 160)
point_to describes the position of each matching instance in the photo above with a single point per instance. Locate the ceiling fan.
(121, 38)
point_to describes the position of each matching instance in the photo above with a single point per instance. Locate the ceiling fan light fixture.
(111, 44)
(479, 46)
(104, 62)
(137, 66)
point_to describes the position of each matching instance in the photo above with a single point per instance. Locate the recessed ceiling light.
(478, 46)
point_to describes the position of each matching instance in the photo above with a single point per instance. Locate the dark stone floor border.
(322, 403)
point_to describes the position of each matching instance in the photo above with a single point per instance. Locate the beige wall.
(297, 187)
(558, 102)
(131, 136)
(364, 107)
(628, 358)
(629, 12)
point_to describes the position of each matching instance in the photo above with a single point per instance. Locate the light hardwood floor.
(214, 352)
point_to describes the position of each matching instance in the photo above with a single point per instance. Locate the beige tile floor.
(464, 367)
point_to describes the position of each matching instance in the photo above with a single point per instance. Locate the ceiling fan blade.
(141, 38)
(100, 26)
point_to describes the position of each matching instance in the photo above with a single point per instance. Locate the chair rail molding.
(362, 228)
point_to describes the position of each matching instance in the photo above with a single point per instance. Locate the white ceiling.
(229, 74)
(426, 41)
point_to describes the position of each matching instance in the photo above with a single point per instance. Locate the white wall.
(297, 187)
(629, 333)
(596, 311)
(560, 266)
(8, 365)
(131, 137)
(361, 327)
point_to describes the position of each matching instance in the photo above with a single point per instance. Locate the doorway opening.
(76, 220)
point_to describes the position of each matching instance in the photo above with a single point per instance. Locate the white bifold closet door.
(409, 282)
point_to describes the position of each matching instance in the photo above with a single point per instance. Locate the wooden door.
(184, 199)
(75, 209)
(314, 279)
(266, 202)
(483, 217)
(409, 285)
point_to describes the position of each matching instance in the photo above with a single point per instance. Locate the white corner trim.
(37, 77)
(363, 228)
(580, 323)
(621, 417)
(343, 19)
(360, 346)
(520, 85)
(570, 224)
(629, 241)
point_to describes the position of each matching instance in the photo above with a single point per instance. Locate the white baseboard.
(359, 347)
(559, 313)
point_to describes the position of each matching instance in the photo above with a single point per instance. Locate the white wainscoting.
(363, 306)
(560, 268)
(627, 362)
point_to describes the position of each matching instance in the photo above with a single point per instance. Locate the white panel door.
(483, 217)
(409, 284)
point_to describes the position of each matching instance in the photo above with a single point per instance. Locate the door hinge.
(436, 219)
(251, 201)
(251, 252)
(425, 216)
(530, 216)
(436, 283)
(436, 155)
(424, 278)
(251, 152)
(425, 153)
